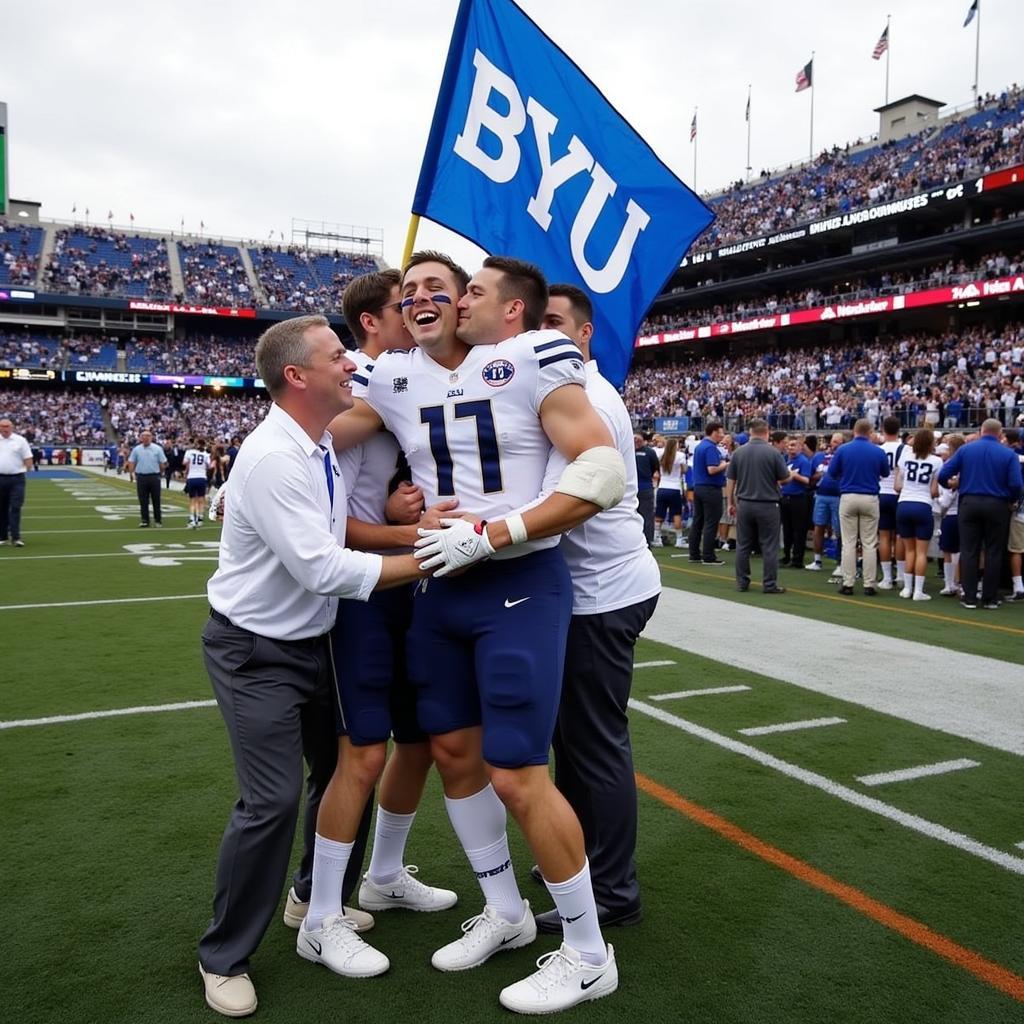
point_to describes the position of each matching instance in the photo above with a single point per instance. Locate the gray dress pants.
(277, 699)
(757, 522)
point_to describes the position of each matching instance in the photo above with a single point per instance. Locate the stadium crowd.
(62, 417)
(98, 261)
(949, 272)
(19, 253)
(214, 274)
(942, 380)
(840, 181)
(305, 280)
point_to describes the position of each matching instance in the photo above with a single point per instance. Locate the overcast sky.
(247, 114)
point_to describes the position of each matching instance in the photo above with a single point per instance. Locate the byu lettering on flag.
(526, 158)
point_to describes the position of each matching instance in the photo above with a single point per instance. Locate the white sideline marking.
(919, 772)
(107, 530)
(965, 695)
(109, 600)
(652, 664)
(709, 692)
(124, 513)
(96, 554)
(910, 821)
(113, 713)
(807, 723)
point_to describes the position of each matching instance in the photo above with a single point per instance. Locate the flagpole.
(888, 53)
(814, 80)
(977, 50)
(410, 238)
(748, 131)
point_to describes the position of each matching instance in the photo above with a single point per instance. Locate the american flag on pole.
(803, 76)
(693, 128)
(882, 45)
(971, 13)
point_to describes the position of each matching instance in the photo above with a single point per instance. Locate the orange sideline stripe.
(920, 934)
(859, 604)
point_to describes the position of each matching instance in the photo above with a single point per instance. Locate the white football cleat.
(483, 936)
(813, 566)
(336, 945)
(920, 595)
(884, 584)
(906, 592)
(295, 913)
(563, 980)
(405, 891)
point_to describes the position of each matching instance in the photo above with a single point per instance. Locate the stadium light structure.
(345, 236)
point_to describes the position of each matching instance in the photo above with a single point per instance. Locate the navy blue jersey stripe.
(551, 344)
(574, 354)
(361, 380)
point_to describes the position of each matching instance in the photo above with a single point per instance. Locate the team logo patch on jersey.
(498, 372)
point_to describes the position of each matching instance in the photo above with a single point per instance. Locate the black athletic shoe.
(870, 592)
(774, 590)
(714, 561)
(968, 604)
(846, 591)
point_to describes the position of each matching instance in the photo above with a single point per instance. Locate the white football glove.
(455, 546)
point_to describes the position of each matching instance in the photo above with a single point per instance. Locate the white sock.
(330, 859)
(389, 837)
(479, 822)
(1018, 584)
(887, 572)
(901, 569)
(577, 909)
(919, 584)
(817, 558)
(948, 571)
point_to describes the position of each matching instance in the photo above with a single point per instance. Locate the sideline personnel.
(146, 466)
(990, 481)
(752, 491)
(273, 601)
(15, 461)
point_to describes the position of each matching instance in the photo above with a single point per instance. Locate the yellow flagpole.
(410, 238)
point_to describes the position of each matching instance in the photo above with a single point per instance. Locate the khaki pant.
(858, 519)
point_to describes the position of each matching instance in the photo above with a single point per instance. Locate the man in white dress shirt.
(15, 461)
(273, 599)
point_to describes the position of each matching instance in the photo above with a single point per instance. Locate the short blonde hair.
(282, 345)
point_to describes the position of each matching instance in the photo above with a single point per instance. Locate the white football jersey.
(918, 475)
(197, 464)
(369, 468)
(474, 432)
(673, 480)
(893, 450)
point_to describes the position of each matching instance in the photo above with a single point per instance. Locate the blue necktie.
(329, 473)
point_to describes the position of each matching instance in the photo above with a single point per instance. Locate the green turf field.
(775, 890)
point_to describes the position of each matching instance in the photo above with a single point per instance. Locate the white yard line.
(125, 513)
(652, 664)
(110, 529)
(109, 600)
(86, 716)
(710, 691)
(835, 789)
(965, 695)
(98, 554)
(919, 772)
(807, 723)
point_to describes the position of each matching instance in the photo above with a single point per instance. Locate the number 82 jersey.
(474, 432)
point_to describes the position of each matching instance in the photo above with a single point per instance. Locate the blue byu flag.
(526, 158)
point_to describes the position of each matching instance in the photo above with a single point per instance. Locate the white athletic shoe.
(813, 566)
(563, 980)
(483, 936)
(295, 913)
(884, 584)
(405, 891)
(920, 595)
(906, 592)
(950, 592)
(336, 945)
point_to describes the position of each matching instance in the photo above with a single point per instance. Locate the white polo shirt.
(608, 558)
(283, 562)
(14, 450)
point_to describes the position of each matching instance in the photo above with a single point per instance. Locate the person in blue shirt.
(826, 503)
(793, 506)
(709, 468)
(989, 485)
(858, 465)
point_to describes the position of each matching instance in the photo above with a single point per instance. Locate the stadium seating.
(19, 253)
(214, 273)
(304, 280)
(95, 261)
